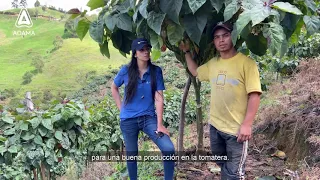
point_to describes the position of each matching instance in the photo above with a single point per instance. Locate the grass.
(62, 67)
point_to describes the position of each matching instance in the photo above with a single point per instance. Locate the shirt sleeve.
(252, 77)
(160, 83)
(119, 78)
(203, 72)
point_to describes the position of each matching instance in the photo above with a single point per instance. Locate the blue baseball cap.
(139, 43)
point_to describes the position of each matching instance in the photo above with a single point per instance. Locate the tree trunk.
(197, 86)
(43, 172)
(35, 175)
(182, 117)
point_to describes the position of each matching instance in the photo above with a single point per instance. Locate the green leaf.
(56, 117)
(172, 8)
(3, 149)
(257, 44)
(312, 24)
(9, 132)
(78, 121)
(289, 24)
(284, 48)
(143, 9)
(104, 49)
(124, 22)
(43, 131)
(260, 14)
(73, 16)
(35, 122)
(123, 7)
(51, 143)
(195, 4)
(311, 5)
(135, 16)
(116, 38)
(142, 29)
(155, 21)
(175, 33)
(2, 139)
(287, 7)
(69, 124)
(82, 28)
(110, 21)
(194, 25)
(13, 149)
(96, 31)
(156, 54)
(274, 33)
(20, 110)
(72, 135)
(7, 120)
(65, 142)
(58, 135)
(154, 40)
(241, 22)
(94, 4)
(47, 124)
(27, 136)
(38, 140)
(217, 4)
(231, 9)
(23, 126)
(50, 160)
(295, 36)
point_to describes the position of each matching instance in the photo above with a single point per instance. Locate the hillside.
(61, 67)
(47, 12)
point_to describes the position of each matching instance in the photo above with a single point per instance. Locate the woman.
(143, 91)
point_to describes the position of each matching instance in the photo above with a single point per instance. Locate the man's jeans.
(148, 124)
(225, 144)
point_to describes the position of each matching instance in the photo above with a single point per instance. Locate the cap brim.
(140, 46)
(222, 26)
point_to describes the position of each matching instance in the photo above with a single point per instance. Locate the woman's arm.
(159, 109)
(116, 95)
(159, 106)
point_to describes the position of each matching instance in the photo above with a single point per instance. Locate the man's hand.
(163, 129)
(244, 133)
(184, 46)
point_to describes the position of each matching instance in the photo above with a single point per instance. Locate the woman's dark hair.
(134, 75)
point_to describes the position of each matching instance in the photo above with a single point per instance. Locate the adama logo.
(24, 19)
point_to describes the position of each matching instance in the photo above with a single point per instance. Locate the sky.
(64, 4)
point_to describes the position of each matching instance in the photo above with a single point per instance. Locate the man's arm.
(245, 131)
(116, 95)
(192, 66)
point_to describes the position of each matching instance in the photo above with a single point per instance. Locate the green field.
(62, 67)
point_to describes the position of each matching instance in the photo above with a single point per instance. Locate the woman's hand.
(163, 129)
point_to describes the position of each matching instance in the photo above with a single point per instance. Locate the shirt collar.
(148, 69)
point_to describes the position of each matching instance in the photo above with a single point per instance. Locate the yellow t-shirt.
(231, 81)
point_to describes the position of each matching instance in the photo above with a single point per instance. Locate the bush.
(27, 78)
(172, 106)
(69, 30)
(58, 42)
(306, 47)
(47, 95)
(104, 130)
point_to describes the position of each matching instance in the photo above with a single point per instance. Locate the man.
(235, 98)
